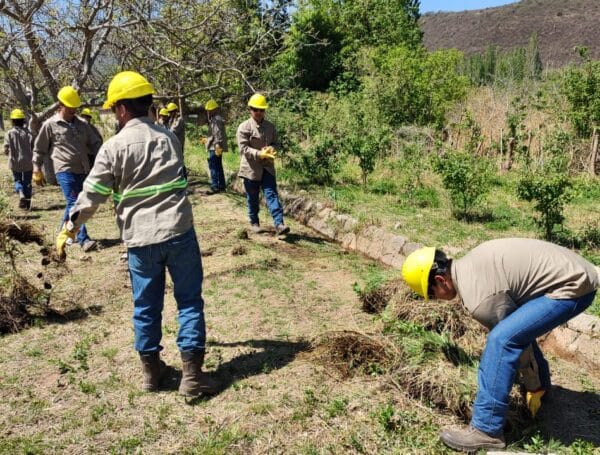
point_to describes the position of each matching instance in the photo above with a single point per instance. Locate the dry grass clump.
(20, 300)
(22, 232)
(441, 386)
(437, 316)
(349, 352)
(375, 300)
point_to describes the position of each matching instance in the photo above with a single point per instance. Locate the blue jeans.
(147, 264)
(217, 176)
(269, 187)
(500, 359)
(23, 183)
(71, 185)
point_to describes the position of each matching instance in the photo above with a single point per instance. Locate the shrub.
(466, 177)
(549, 186)
(319, 163)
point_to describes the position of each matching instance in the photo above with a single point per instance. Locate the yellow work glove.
(534, 401)
(38, 178)
(61, 241)
(267, 153)
(203, 140)
(218, 151)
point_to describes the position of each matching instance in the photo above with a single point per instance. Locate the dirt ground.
(73, 385)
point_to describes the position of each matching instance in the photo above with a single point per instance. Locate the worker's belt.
(147, 191)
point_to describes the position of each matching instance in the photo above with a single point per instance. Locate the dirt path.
(73, 386)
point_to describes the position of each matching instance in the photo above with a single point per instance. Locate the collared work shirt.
(498, 276)
(251, 138)
(216, 133)
(17, 145)
(68, 143)
(177, 127)
(141, 168)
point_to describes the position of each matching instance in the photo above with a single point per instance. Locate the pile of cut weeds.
(427, 350)
(21, 301)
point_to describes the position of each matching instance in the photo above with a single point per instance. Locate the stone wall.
(578, 339)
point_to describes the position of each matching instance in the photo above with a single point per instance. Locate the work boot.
(256, 228)
(89, 245)
(282, 229)
(471, 439)
(153, 369)
(194, 382)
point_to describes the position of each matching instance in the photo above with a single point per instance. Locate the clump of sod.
(349, 353)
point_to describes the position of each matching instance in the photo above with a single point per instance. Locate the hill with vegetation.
(560, 26)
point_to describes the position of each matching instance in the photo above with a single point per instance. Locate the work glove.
(203, 140)
(534, 401)
(267, 153)
(38, 178)
(218, 151)
(61, 241)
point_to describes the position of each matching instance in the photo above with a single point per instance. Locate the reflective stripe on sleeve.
(151, 190)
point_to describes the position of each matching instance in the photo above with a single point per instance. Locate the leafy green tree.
(549, 186)
(411, 86)
(581, 87)
(466, 177)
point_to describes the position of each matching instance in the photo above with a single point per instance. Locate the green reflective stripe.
(98, 188)
(151, 190)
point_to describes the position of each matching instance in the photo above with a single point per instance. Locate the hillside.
(560, 25)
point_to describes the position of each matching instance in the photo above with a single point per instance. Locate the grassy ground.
(425, 216)
(72, 385)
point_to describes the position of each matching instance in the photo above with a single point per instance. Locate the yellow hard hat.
(127, 85)
(258, 101)
(17, 114)
(416, 268)
(86, 111)
(69, 97)
(164, 112)
(172, 107)
(211, 105)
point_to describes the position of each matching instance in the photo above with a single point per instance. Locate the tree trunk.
(594, 153)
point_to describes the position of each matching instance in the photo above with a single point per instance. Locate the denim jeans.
(217, 176)
(500, 359)
(269, 187)
(23, 183)
(71, 185)
(181, 257)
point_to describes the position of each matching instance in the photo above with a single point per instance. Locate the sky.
(460, 5)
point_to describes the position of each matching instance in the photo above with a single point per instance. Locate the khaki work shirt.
(177, 127)
(251, 138)
(141, 167)
(498, 276)
(68, 143)
(17, 145)
(216, 133)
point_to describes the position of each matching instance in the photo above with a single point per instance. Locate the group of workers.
(518, 288)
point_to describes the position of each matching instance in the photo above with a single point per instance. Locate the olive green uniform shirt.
(17, 145)
(141, 167)
(68, 143)
(498, 276)
(251, 138)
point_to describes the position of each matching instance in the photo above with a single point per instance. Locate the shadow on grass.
(294, 238)
(25, 217)
(107, 243)
(47, 208)
(75, 314)
(566, 416)
(269, 355)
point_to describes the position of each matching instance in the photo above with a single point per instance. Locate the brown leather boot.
(153, 369)
(194, 382)
(471, 439)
